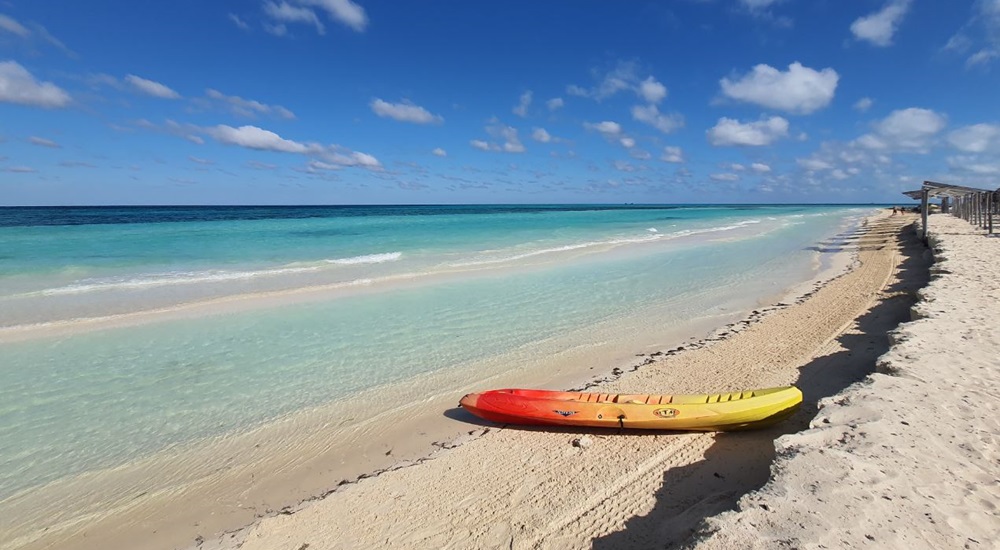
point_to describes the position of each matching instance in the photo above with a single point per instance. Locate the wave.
(654, 235)
(209, 276)
(367, 259)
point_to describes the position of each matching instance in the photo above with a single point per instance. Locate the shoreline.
(304, 523)
(790, 298)
(424, 449)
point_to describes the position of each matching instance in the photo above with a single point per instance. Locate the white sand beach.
(910, 457)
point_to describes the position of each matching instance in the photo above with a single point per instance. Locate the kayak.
(702, 412)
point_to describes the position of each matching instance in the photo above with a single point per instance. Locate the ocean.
(133, 333)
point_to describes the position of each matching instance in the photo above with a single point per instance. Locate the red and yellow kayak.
(703, 412)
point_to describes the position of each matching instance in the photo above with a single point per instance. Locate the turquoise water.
(359, 297)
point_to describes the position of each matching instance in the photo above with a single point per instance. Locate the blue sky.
(357, 101)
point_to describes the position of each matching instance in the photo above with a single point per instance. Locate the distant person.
(894, 212)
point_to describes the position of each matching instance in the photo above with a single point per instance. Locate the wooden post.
(924, 193)
(990, 207)
(945, 207)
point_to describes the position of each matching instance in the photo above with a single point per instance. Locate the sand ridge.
(520, 488)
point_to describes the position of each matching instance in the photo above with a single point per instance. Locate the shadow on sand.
(740, 462)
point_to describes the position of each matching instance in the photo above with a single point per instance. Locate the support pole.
(923, 210)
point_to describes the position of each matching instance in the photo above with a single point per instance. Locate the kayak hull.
(699, 412)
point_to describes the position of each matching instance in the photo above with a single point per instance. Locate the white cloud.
(405, 112)
(814, 164)
(982, 32)
(754, 134)
(973, 165)
(42, 142)
(672, 154)
(624, 166)
(287, 13)
(10, 25)
(239, 22)
(345, 12)
(20, 170)
(863, 104)
(342, 11)
(649, 114)
(974, 139)
(625, 76)
(198, 160)
(249, 107)
(627, 142)
(439, 152)
(879, 27)
(608, 128)
(904, 129)
(540, 134)
(555, 103)
(760, 168)
(17, 85)
(652, 91)
(724, 177)
(151, 88)
(253, 137)
(800, 90)
(521, 109)
(506, 139)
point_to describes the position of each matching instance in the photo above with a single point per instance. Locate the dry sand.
(909, 458)
(525, 488)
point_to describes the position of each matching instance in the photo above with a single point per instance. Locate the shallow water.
(416, 291)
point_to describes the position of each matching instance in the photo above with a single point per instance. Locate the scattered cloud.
(760, 168)
(345, 12)
(672, 154)
(404, 111)
(8, 24)
(287, 13)
(814, 164)
(979, 38)
(905, 129)
(253, 137)
(521, 109)
(724, 177)
(439, 152)
(976, 138)
(799, 90)
(540, 134)
(753, 134)
(42, 142)
(202, 161)
(607, 128)
(555, 103)
(151, 88)
(17, 85)
(862, 105)
(20, 170)
(627, 142)
(239, 22)
(879, 27)
(505, 139)
(30, 34)
(651, 90)
(625, 76)
(257, 165)
(248, 107)
(650, 114)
